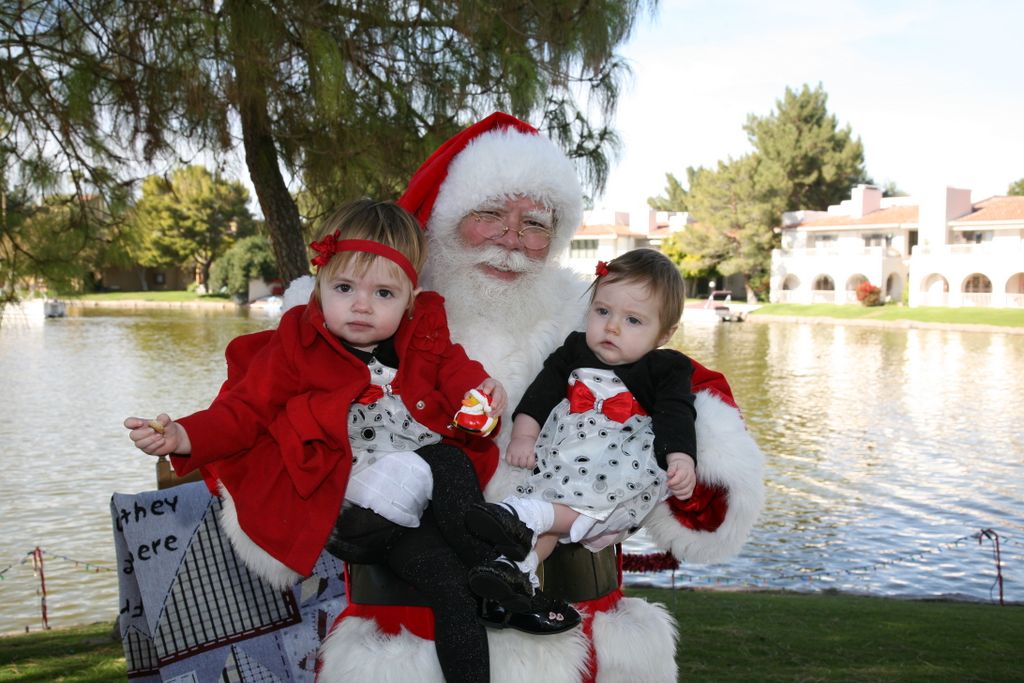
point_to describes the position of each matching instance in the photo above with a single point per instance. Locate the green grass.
(175, 295)
(86, 654)
(723, 636)
(1005, 317)
(771, 636)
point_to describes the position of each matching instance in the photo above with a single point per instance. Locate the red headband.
(331, 245)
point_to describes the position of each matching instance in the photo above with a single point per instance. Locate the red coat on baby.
(276, 436)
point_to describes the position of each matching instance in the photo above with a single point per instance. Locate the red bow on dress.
(619, 407)
(373, 392)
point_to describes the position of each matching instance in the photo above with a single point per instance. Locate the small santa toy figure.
(475, 414)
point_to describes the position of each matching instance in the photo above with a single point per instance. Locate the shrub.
(249, 257)
(868, 294)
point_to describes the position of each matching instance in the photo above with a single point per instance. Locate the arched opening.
(976, 290)
(894, 287)
(1015, 291)
(936, 290)
(852, 283)
(789, 287)
(824, 290)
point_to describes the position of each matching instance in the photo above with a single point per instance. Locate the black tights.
(434, 558)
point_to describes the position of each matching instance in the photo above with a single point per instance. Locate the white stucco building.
(944, 249)
(606, 233)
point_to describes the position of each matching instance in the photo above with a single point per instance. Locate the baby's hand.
(494, 389)
(682, 475)
(158, 437)
(520, 452)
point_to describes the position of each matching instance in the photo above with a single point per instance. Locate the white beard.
(472, 295)
(509, 326)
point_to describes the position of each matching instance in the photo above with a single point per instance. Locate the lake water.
(887, 449)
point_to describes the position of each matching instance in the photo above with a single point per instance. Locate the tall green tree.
(737, 218)
(801, 159)
(192, 217)
(339, 99)
(56, 243)
(52, 239)
(806, 160)
(1016, 189)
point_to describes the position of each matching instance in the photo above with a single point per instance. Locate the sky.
(933, 88)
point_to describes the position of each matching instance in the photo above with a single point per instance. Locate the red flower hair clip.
(602, 269)
(325, 249)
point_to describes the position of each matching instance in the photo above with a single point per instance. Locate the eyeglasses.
(532, 233)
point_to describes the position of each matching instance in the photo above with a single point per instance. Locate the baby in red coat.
(350, 402)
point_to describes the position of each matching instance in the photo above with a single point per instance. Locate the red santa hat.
(498, 157)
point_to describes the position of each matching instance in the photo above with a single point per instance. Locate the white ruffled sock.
(529, 567)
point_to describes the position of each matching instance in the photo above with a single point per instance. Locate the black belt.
(572, 573)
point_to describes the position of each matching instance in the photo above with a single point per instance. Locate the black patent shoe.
(500, 526)
(547, 618)
(361, 536)
(502, 582)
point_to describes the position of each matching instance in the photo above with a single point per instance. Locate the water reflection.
(884, 447)
(69, 383)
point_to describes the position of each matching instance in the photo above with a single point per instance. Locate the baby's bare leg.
(564, 519)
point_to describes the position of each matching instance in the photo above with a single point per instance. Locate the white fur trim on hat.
(506, 163)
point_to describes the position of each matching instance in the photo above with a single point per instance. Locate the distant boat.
(716, 309)
(54, 308)
(267, 305)
(33, 311)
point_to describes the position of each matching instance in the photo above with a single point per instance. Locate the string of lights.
(92, 567)
(657, 562)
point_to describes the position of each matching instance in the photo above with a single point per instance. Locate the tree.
(801, 160)
(344, 99)
(806, 160)
(1016, 189)
(694, 262)
(676, 197)
(891, 189)
(192, 217)
(246, 259)
(51, 244)
(53, 240)
(739, 216)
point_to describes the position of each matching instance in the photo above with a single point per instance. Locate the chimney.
(864, 199)
(935, 211)
(642, 221)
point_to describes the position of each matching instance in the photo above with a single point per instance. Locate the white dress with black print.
(600, 467)
(387, 476)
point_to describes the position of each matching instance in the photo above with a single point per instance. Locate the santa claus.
(485, 198)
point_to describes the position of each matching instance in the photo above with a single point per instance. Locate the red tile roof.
(888, 216)
(598, 230)
(989, 210)
(996, 209)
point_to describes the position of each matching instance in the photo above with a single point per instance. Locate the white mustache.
(502, 259)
